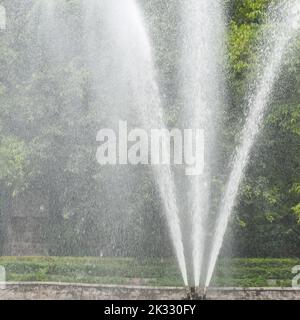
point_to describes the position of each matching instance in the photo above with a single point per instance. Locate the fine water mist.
(130, 49)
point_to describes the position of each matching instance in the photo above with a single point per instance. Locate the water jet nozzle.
(196, 293)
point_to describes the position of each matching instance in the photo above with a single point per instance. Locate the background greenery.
(47, 143)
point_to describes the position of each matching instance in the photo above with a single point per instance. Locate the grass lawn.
(233, 272)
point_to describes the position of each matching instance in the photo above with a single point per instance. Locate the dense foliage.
(267, 218)
(49, 121)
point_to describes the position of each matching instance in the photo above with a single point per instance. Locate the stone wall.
(59, 291)
(24, 221)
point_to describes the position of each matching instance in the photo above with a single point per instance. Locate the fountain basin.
(75, 291)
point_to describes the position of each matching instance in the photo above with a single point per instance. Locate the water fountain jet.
(274, 46)
(135, 77)
(202, 54)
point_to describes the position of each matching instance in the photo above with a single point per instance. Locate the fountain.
(119, 56)
(117, 40)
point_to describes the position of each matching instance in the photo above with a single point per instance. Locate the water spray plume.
(274, 46)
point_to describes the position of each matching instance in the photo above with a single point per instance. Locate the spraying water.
(284, 22)
(119, 56)
(130, 55)
(202, 34)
